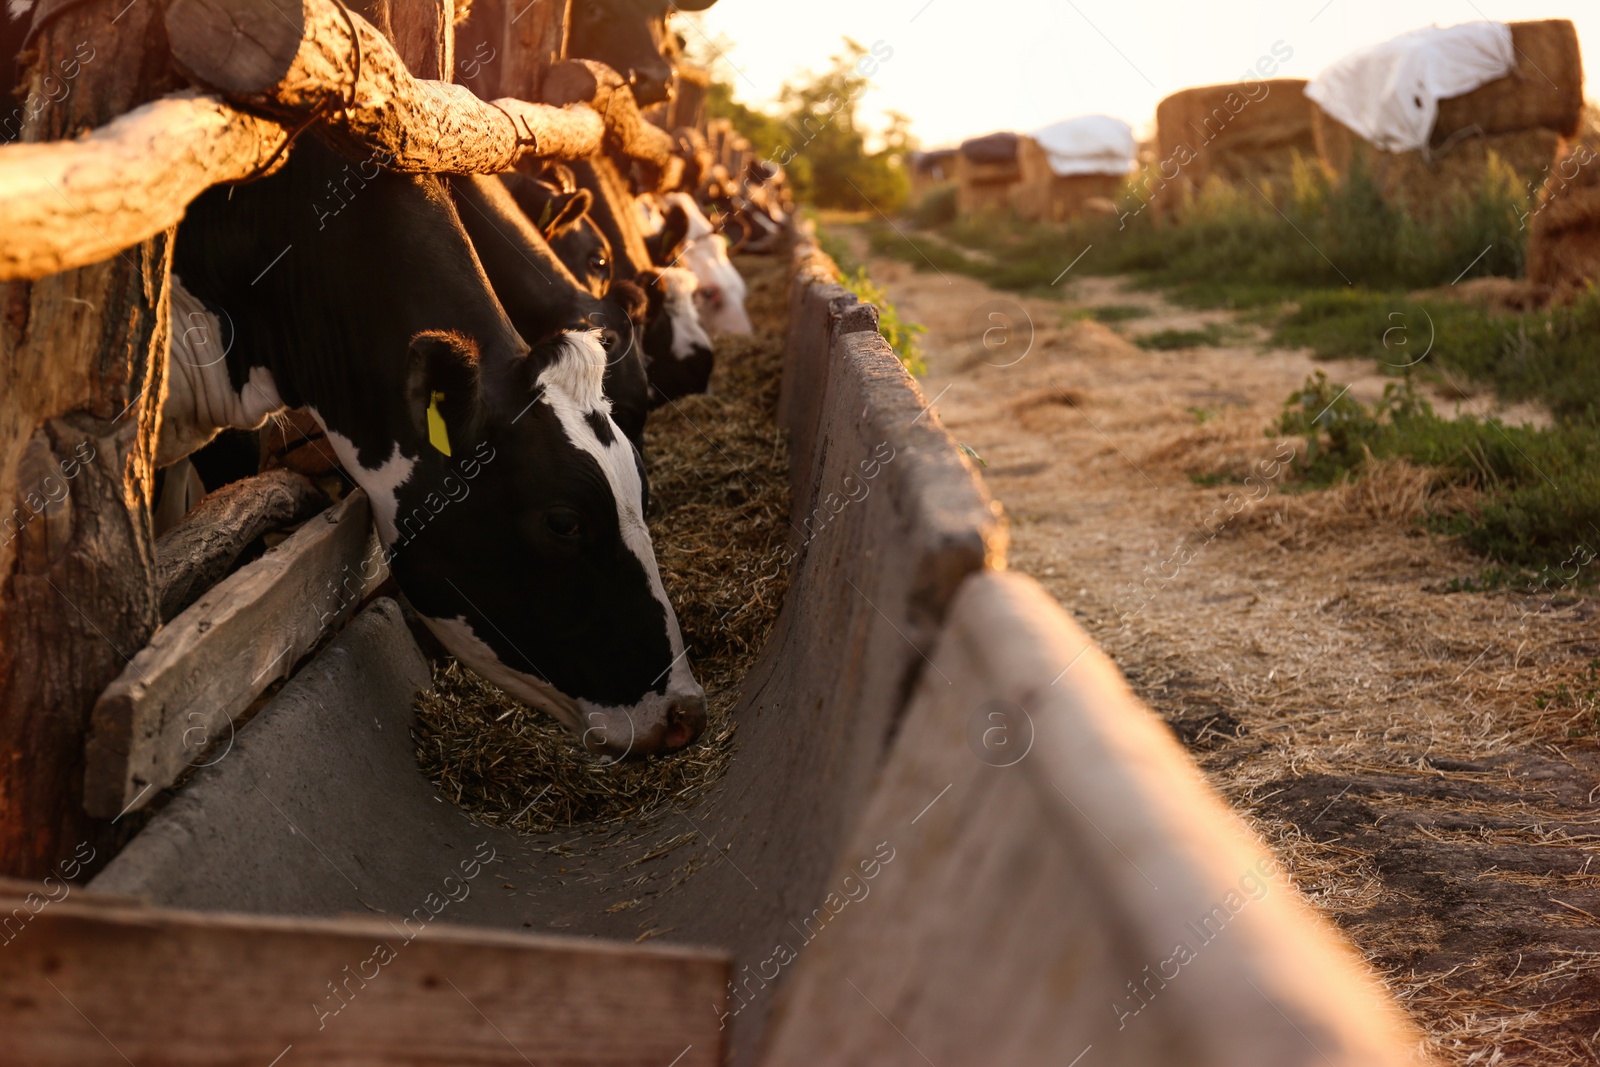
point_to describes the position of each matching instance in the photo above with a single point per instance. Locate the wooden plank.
(198, 552)
(87, 981)
(71, 203)
(175, 704)
(1042, 872)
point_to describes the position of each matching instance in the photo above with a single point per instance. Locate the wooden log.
(175, 704)
(91, 980)
(369, 102)
(198, 553)
(72, 203)
(628, 132)
(84, 356)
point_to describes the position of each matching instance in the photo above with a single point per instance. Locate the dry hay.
(986, 170)
(718, 469)
(1428, 180)
(1390, 492)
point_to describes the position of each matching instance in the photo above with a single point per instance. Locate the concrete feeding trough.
(876, 878)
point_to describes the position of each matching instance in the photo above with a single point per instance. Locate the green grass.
(1540, 489)
(1331, 267)
(1212, 334)
(1108, 314)
(901, 335)
(1551, 356)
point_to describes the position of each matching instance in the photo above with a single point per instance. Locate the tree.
(818, 139)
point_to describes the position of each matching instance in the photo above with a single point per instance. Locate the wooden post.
(82, 355)
(505, 46)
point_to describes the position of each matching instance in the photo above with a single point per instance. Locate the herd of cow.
(481, 353)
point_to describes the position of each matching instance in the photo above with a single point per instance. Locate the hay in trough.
(718, 467)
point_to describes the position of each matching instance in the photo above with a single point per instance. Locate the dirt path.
(1408, 751)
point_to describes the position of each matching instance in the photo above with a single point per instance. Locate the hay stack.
(987, 169)
(1429, 180)
(928, 169)
(1234, 131)
(1521, 118)
(1545, 90)
(1564, 230)
(1046, 196)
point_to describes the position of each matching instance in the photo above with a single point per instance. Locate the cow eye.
(563, 522)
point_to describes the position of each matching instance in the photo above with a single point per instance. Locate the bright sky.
(966, 67)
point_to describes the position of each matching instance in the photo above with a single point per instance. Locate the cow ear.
(674, 231)
(566, 211)
(442, 387)
(559, 175)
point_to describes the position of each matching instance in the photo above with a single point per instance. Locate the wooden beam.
(71, 203)
(175, 705)
(198, 552)
(628, 132)
(88, 980)
(422, 126)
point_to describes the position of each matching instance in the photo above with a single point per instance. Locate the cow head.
(519, 535)
(630, 36)
(677, 348)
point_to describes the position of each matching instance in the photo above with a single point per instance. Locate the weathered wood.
(198, 553)
(176, 702)
(82, 359)
(422, 126)
(1041, 870)
(71, 203)
(505, 46)
(424, 34)
(628, 133)
(88, 980)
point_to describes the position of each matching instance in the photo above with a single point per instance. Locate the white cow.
(721, 292)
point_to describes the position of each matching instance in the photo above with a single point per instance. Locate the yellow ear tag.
(438, 436)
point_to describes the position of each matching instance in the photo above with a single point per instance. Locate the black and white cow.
(508, 503)
(678, 351)
(630, 37)
(541, 295)
(559, 210)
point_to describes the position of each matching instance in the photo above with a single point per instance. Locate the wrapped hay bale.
(1545, 90)
(986, 168)
(1520, 118)
(1065, 166)
(1428, 179)
(1237, 131)
(1564, 227)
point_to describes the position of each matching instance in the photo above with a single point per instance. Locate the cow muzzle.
(660, 723)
